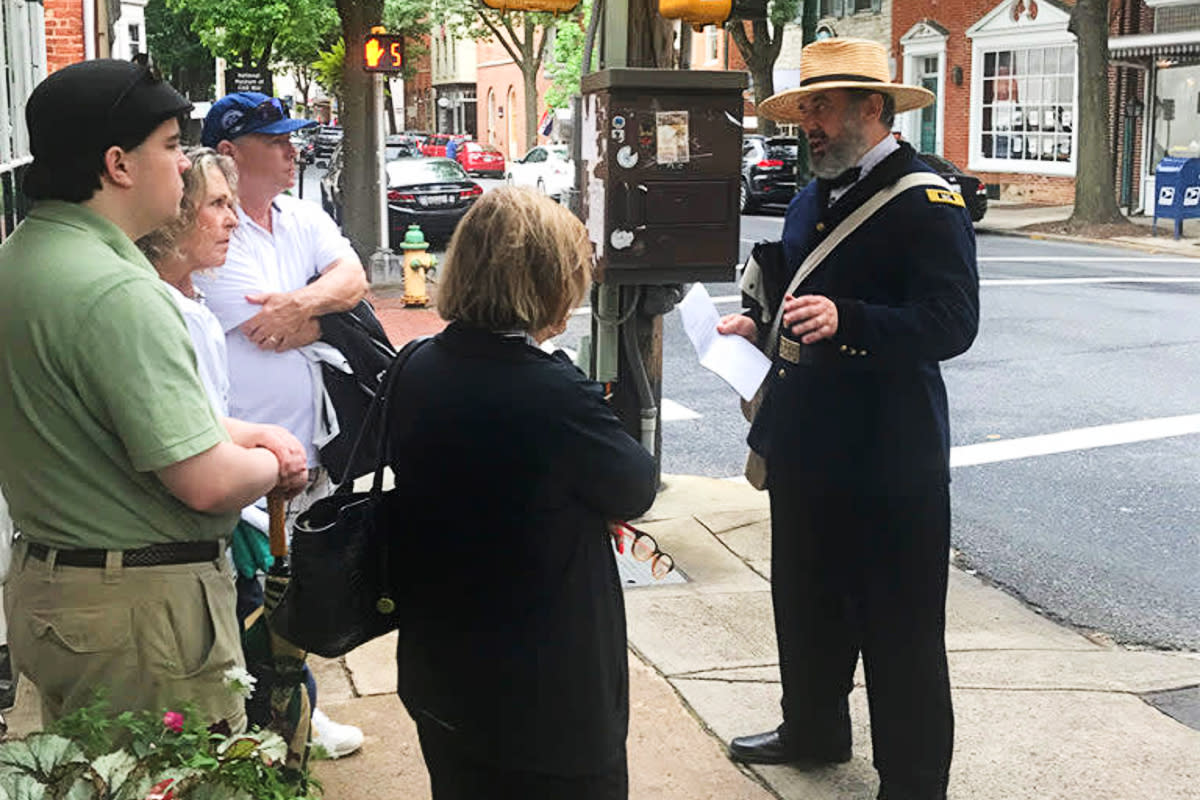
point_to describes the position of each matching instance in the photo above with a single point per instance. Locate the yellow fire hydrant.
(417, 264)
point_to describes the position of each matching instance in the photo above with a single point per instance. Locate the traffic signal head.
(699, 13)
(552, 6)
(382, 52)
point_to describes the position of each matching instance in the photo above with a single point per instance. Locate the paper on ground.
(732, 358)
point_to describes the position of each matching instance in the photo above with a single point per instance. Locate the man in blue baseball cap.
(288, 263)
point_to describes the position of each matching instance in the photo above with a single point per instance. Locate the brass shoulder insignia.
(945, 196)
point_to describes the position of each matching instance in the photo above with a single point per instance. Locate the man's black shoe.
(770, 748)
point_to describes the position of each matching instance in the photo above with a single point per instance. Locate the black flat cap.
(94, 104)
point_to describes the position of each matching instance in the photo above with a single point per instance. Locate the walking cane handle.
(276, 513)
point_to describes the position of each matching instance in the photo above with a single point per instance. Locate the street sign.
(248, 80)
(383, 52)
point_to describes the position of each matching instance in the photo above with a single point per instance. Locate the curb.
(1060, 237)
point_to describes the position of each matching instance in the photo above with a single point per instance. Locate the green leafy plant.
(93, 754)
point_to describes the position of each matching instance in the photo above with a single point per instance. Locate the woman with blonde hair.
(509, 466)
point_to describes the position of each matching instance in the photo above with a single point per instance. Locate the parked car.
(973, 190)
(434, 193)
(399, 146)
(480, 159)
(325, 140)
(547, 168)
(435, 145)
(304, 142)
(331, 184)
(768, 171)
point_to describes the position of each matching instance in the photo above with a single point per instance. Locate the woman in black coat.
(510, 466)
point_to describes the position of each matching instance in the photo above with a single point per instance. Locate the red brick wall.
(419, 92)
(64, 33)
(729, 57)
(958, 15)
(496, 73)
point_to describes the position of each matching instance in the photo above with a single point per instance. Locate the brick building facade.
(500, 99)
(64, 33)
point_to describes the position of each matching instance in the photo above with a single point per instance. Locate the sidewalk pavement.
(1011, 218)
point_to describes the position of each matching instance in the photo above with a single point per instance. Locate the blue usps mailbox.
(1177, 191)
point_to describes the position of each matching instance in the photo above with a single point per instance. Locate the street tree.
(759, 41)
(565, 65)
(327, 69)
(251, 33)
(177, 50)
(1095, 189)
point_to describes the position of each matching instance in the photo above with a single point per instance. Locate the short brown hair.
(518, 262)
(159, 243)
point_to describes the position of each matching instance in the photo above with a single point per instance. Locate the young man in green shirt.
(118, 474)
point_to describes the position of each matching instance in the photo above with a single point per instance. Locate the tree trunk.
(764, 87)
(1095, 192)
(651, 37)
(360, 145)
(530, 64)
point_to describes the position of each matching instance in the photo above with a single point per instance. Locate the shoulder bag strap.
(379, 408)
(844, 229)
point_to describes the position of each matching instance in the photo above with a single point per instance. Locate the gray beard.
(840, 154)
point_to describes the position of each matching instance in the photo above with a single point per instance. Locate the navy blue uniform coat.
(867, 409)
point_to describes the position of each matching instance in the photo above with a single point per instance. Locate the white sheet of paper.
(735, 360)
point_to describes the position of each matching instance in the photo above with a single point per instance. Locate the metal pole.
(381, 162)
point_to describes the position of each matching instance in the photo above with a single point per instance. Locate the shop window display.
(1028, 109)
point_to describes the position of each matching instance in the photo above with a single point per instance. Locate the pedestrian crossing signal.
(383, 53)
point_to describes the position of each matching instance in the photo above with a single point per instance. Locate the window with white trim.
(22, 66)
(1028, 104)
(711, 43)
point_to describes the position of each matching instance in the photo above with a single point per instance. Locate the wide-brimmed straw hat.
(838, 63)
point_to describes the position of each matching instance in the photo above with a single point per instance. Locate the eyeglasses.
(266, 112)
(642, 547)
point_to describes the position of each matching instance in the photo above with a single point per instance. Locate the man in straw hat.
(854, 427)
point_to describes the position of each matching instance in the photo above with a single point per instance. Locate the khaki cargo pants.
(153, 637)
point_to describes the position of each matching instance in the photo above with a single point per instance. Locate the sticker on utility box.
(672, 137)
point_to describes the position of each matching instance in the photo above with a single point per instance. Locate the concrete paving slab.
(1182, 705)
(762, 567)
(1067, 746)
(725, 521)
(981, 617)
(372, 667)
(761, 673)
(1108, 670)
(708, 564)
(670, 756)
(690, 633)
(333, 681)
(751, 542)
(684, 495)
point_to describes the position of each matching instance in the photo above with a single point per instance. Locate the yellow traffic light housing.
(382, 52)
(551, 6)
(699, 13)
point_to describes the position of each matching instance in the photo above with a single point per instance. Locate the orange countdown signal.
(383, 52)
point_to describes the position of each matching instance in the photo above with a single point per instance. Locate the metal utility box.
(1177, 191)
(661, 165)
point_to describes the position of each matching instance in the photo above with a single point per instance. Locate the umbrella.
(280, 701)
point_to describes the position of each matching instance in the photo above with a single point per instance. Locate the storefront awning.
(1177, 43)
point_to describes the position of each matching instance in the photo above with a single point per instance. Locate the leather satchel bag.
(756, 465)
(340, 594)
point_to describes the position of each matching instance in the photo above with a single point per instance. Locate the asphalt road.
(1074, 421)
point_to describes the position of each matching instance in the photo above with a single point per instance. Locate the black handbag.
(359, 336)
(340, 595)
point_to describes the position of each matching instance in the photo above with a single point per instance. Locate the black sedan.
(973, 190)
(433, 193)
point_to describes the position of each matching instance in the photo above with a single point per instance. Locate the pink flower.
(173, 721)
(162, 790)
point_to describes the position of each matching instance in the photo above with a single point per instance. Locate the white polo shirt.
(266, 386)
(208, 340)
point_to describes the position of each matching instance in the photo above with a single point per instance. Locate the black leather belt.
(154, 555)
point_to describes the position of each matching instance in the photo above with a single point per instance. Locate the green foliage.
(257, 33)
(565, 65)
(92, 754)
(177, 50)
(782, 12)
(327, 69)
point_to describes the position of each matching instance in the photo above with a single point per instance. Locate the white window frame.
(1050, 30)
(22, 66)
(919, 43)
(712, 44)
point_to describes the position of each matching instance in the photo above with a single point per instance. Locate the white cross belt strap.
(752, 279)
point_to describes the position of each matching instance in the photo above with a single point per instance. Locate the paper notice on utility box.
(735, 360)
(672, 137)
